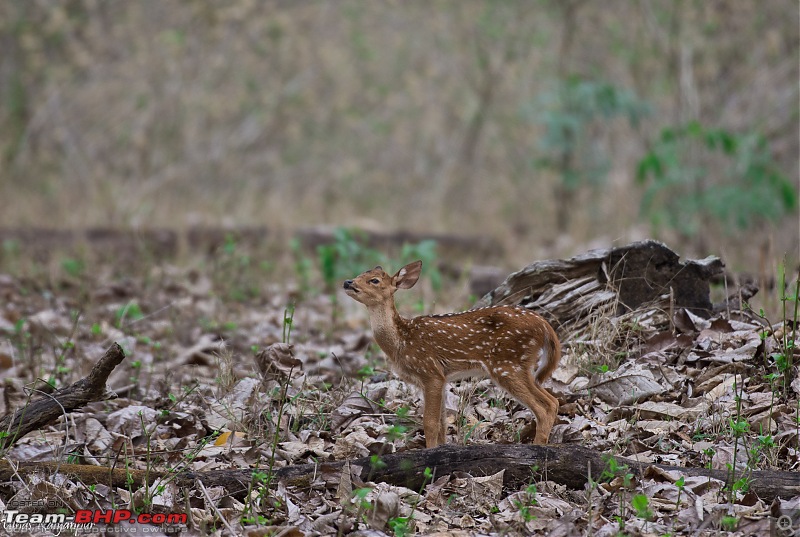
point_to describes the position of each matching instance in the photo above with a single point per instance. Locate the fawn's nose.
(348, 284)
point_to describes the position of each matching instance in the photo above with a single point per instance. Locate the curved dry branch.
(45, 410)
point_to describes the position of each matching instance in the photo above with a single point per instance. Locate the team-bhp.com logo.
(83, 519)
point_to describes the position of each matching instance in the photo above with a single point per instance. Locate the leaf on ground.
(202, 352)
(664, 341)
(229, 438)
(354, 406)
(460, 490)
(626, 385)
(132, 421)
(277, 362)
(297, 451)
(50, 321)
(353, 445)
(663, 409)
(688, 322)
(96, 437)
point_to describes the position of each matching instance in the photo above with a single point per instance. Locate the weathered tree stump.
(614, 281)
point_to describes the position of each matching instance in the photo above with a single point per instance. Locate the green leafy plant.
(236, 274)
(263, 480)
(136, 365)
(729, 523)
(694, 175)
(288, 323)
(681, 484)
(359, 498)
(73, 267)
(573, 115)
(347, 256)
(260, 482)
(129, 312)
(709, 453)
(739, 427)
(782, 359)
(302, 266)
(529, 500)
(344, 258)
(395, 432)
(11, 247)
(641, 505)
(402, 526)
(614, 469)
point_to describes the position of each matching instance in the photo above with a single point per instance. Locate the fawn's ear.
(407, 276)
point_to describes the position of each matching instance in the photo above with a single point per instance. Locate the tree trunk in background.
(564, 194)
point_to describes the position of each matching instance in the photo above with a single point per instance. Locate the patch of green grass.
(130, 312)
(73, 267)
(641, 506)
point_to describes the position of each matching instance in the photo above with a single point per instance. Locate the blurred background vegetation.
(549, 125)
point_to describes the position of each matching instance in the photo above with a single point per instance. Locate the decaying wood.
(569, 465)
(565, 464)
(608, 282)
(47, 409)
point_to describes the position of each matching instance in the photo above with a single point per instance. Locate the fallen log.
(43, 244)
(569, 465)
(47, 409)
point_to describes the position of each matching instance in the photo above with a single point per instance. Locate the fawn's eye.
(375, 281)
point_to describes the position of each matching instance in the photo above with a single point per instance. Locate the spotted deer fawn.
(504, 343)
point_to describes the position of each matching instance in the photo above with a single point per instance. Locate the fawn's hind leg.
(543, 404)
(544, 425)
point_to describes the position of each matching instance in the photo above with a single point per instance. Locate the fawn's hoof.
(528, 433)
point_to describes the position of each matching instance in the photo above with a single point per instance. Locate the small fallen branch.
(46, 410)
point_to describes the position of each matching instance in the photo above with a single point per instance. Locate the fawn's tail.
(550, 357)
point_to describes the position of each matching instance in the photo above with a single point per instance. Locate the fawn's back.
(498, 341)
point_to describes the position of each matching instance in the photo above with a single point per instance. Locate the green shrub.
(694, 175)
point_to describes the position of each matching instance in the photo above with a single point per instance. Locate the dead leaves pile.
(208, 384)
(680, 397)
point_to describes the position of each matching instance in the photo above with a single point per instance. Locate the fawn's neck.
(385, 323)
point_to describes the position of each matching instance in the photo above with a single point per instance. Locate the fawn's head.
(375, 287)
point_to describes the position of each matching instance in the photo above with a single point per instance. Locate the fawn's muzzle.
(348, 285)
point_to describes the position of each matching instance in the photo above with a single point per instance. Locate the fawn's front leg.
(433, 423)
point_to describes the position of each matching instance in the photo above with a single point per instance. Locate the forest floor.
(196, 393)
